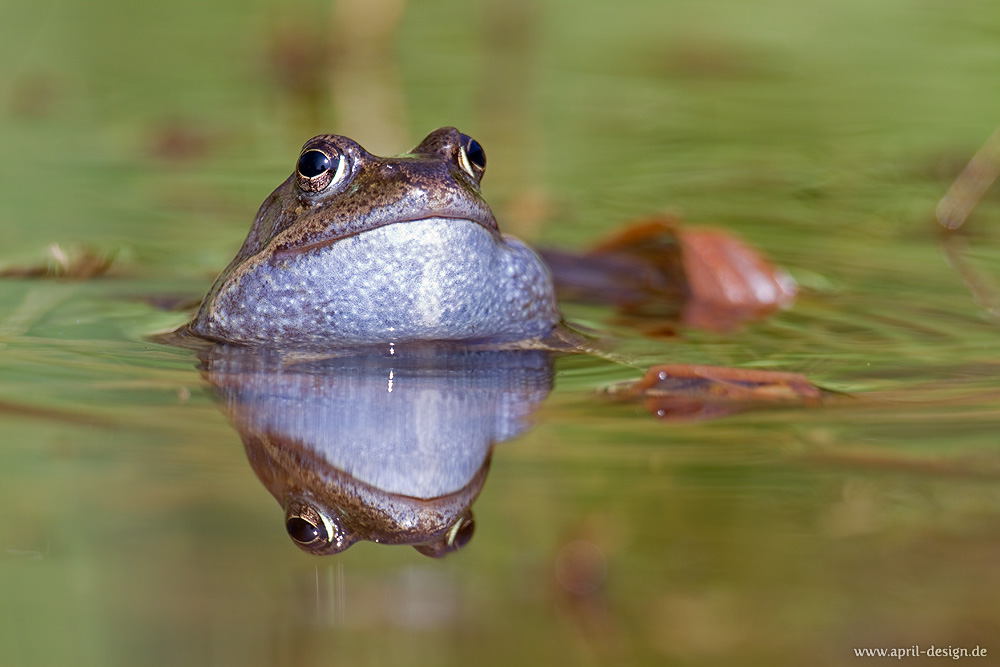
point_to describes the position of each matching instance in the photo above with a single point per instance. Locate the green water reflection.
(132, 530)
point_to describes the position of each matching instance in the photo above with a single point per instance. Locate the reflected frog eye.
(317, 169)
(304, 532)
(472, 157)
(457, 537)
(461, 532)
(313, 530)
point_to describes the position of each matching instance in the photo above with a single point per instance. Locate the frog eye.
(461, 532)
(317, 169)
(306, 533)
(457, 537)
(313, 531)
(472, 157)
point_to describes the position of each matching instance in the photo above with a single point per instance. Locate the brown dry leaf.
(686, 392)
(661, 273)
(731, 282)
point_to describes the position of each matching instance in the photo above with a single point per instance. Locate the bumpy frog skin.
(356, 249)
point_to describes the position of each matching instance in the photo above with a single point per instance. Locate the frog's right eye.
(305, 532)
(317, 169)
(314, 531)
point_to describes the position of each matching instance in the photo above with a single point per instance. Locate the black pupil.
(301, 530)
(475, 153)
(314, 163)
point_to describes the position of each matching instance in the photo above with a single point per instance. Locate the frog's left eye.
(461, 532)
(472, 157)
(317, 169)
(457, 537)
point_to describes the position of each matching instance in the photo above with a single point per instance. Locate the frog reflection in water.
(363, 445)
(359, 249)
(357, 257)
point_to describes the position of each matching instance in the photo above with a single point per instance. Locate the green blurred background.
(132, 530)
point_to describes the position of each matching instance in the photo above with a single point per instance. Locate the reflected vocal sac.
(390, 448)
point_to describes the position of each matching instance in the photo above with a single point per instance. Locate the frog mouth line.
(287, 252)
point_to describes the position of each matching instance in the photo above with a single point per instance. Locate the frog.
(345, 338)
(357, 249)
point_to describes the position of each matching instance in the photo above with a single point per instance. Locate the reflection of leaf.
(78, 263)
(684, 392)
(954, 210)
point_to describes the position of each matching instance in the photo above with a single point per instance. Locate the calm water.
(132, 528)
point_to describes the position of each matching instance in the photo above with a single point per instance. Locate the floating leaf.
(686, 392)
